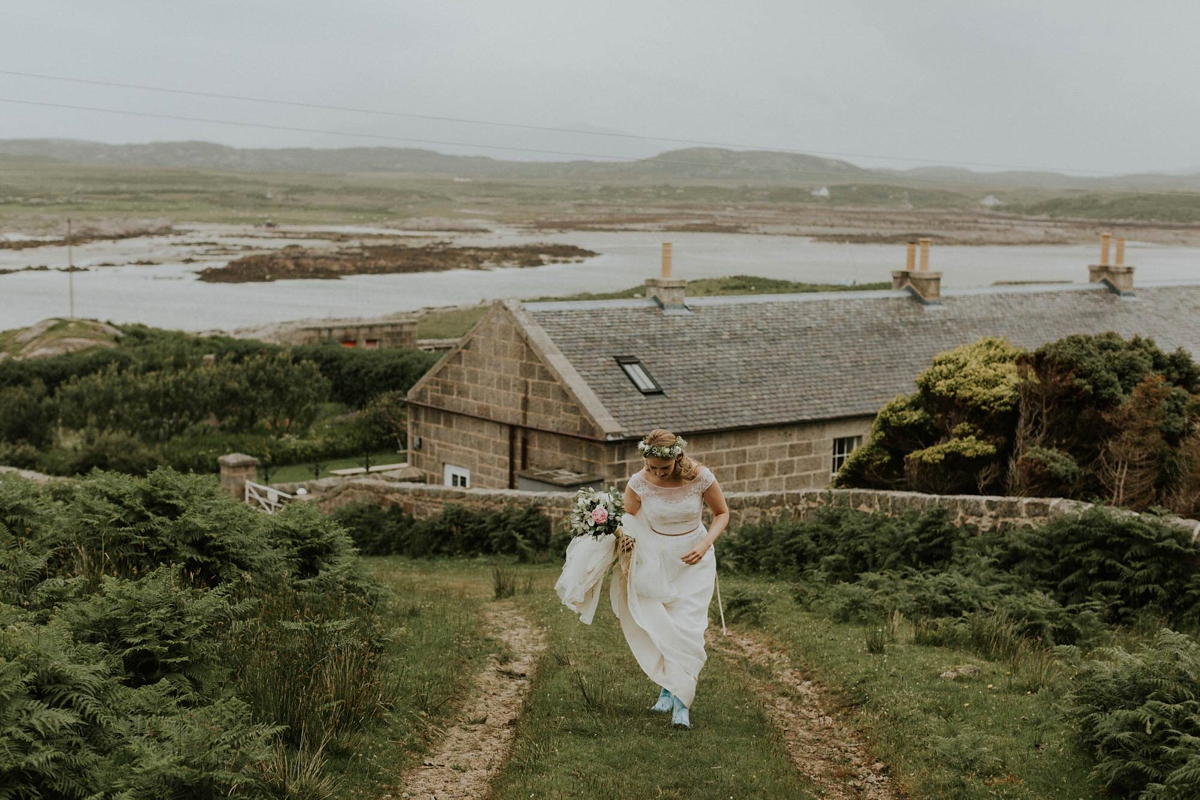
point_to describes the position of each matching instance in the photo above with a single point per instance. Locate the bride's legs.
(680, 716)
(665, 701)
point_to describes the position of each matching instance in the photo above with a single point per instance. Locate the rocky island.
(295, 262)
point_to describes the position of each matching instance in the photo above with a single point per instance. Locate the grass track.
(438, 648)
(586, 731)
(614, 747)
(940, 738)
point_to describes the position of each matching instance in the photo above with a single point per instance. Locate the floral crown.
(658, 451)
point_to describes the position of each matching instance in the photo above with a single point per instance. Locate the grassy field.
(36, 196)
(586, 731)
(30, 190)
(294, 473)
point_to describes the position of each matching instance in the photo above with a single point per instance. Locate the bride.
(663, 601)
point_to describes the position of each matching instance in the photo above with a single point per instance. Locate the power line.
(940, 183)
(463, 120)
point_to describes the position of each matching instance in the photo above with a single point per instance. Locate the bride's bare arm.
(633, 503)
(720, 509)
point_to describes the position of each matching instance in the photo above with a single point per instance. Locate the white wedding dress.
(663, 605)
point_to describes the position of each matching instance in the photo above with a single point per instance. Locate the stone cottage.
(772, 391)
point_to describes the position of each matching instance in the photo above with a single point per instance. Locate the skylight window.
(637, 373)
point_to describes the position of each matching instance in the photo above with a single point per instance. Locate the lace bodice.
(674, 509)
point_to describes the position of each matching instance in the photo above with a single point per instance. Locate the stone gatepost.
(236, 469)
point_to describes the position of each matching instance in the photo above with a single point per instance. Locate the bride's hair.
(686, 467)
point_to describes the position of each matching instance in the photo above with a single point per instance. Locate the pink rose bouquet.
(596, 513)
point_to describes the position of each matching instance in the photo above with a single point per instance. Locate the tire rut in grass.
(823, 748)
(479, 740)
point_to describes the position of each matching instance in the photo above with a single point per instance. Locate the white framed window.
(843, 446)
(457, 477)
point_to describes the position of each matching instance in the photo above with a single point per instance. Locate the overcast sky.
(1086, 85)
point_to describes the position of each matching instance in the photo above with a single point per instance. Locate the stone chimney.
(670, 293)
(926, 285)
(1117, 277)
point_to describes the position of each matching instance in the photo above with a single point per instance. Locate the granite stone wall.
(982, 511)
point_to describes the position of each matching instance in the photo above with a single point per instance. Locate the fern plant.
(1140, 712)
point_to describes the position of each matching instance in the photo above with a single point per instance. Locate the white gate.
(266, 498)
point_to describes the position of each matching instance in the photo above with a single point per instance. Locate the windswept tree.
(1088, 416)
(954, 434)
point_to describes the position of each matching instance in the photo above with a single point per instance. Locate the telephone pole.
(70, 268)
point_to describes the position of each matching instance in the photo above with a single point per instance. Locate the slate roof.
(751, 361)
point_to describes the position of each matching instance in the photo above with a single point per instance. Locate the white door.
(458, 477)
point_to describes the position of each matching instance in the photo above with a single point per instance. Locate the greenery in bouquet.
(596, 513)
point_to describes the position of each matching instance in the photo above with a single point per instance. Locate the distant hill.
(685, 165)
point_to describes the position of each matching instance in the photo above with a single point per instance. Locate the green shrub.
(523, 532)
(843, 543)
(21, 456)
(356, 376)
(54, 371)
(1140, 712)
(114, 451)
(1126, 563)
(124, 526)
(27, 415)
(156, 628)
(745, 606)
(318, 553)
(159, 639)
(70, 729)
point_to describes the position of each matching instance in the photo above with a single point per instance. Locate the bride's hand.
(694, 555)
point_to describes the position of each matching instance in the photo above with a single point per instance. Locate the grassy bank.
(984, 734)
(434, 650)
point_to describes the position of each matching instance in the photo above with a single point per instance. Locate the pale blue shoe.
(679, 715)
(665, 701)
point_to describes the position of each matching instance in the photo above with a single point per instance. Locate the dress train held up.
(663, 603)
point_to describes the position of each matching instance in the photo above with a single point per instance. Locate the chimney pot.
(1119, 276)
(926, 285)
(670, 293)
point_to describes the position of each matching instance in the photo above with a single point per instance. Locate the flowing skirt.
(663, 606)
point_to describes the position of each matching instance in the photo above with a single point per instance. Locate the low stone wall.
(424, 501)
(746, 508)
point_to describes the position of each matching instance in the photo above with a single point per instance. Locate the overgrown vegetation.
(170, 398)
(1088, 417)
(524, 532)
(160, 639)
(1012, 595)
(1140, 712)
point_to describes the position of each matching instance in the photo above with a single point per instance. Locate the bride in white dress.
(663, 602)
